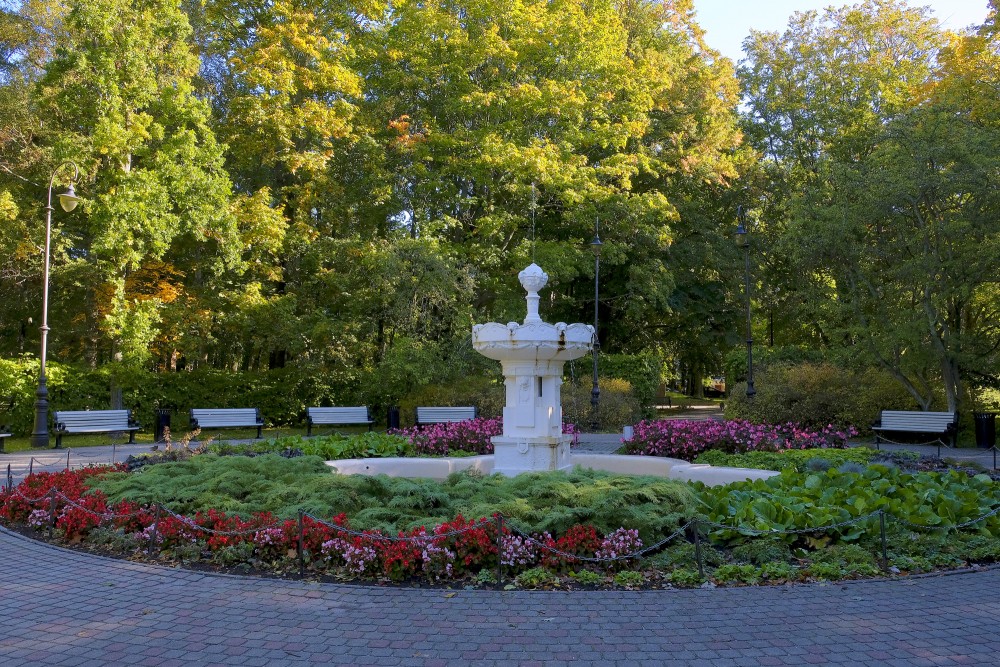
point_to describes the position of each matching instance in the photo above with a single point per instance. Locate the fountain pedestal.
(532, 355)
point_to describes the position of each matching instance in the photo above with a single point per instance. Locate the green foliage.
(796, 500)
(536, 577)
(483, 392)
(817, 394)
(588, 577)
(618, 406)
(800, 460)
(533, 502)
(779, 571)
(328, 447)
(738, 574)
(685, 577)
(762, 550)
(629, 579)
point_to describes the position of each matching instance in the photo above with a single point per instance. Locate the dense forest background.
(323, 197)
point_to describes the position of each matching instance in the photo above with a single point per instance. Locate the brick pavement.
(61, 607)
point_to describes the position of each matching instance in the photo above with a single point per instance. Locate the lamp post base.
(40, 434)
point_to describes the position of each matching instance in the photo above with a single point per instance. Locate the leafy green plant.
(800, 460)
(686, 577)
(779, 571)
(740, 574)
(760, 550)
(234, 555)
(539, 502)
(629, 579)
(587, 577)
(536, 577)
(800, 501)
(826, 570)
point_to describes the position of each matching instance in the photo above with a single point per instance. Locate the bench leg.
(259, 428)
(309, 428)
(131, 437)
(369, 430)
(58, 440)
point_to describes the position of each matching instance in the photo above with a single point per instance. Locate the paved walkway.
(62, 607)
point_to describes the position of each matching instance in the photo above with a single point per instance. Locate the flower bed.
(686, 439)
(794, 527)
(471, 436)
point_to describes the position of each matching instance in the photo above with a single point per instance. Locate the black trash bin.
(986, 429)
(161, 421)
(392, 418)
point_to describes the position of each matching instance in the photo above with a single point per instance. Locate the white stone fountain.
(532, 355)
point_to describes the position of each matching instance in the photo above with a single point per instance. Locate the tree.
(119, 97)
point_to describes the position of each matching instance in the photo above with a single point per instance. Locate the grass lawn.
(23, 442)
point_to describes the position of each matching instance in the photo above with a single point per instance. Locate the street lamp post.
(68, 201)
(595, 392)
(743, 232)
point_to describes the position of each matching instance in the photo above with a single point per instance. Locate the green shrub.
(760, 550)
(618, 406)
(588, 577)
(485, 393)
(817, 394)
(686, 577)
(800, 460)
(534, 503)
(779, 571)
(629, 579)
(740, 574)
(536, 577)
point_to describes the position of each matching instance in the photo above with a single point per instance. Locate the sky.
(728, 22)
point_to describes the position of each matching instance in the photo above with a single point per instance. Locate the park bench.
(943, 425)
(73, 422)
(205, 418)
(3, 436)
(442, 415)
(337, 417)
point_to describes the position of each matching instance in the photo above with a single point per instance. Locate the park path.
(62, 607)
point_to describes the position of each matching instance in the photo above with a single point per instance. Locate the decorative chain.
(791, 531)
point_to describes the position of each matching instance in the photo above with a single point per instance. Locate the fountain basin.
(656, 466)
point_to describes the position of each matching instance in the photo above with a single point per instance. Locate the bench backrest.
(220, 417)
(341, 415)
(91, 421)
(436, 415)
(922, 422)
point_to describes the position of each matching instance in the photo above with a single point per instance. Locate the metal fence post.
(10, 479)
(499, 551)
(156, 529)
(31, 465)
(52, 510)
(697, 548)
(301, 547)
(881, 522)
(68, 450)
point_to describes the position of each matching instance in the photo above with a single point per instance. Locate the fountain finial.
(532, 279)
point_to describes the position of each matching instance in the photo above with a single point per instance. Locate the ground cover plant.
(686, 439)
(800, 460)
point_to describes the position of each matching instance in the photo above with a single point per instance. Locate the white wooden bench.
(943, 425)
(443, 415)
(205, 418)
(72, 422)
(337, 417)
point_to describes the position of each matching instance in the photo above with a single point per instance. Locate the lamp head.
(595, 246)
(69, 200)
